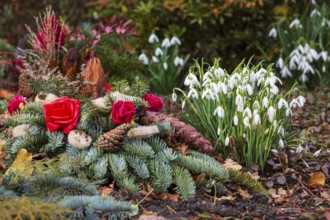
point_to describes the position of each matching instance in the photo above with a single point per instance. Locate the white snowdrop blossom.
(247, 112)
(218, 72)
(280, 63)
(285, 72)
(218, 131)
(239, 103)
(282, 103)
(301, 100)
(165, 66)
(158, 52)
(281, 143)
(208, 94)
(317, 153)
(235, 120)
(256, 105)
(295, 23)
(219, 111)
(174, 97)
(207, 76)
(281, 131)
(178, 61)
(175, 40)
(303, 78)
(193, 93)
(299, 149)
(265, 102)
(227, 141)
(191, 80)
(315, 12)
(166, 43)
(183, 104)
(256, 119)
(249, 89)
(155, 59)
(271, 113)
(324, 55)
(144, 59)
(246, 122)
(153, 39)
(273, 33)
(294, 103)
(288, 112)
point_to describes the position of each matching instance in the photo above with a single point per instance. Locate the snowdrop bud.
(271, 114)
(272, 33)
(281, 143)
(153, 38)
(265, 102)
(174, 97)
(246, 122)
(175, 40)
(280, 63)
(299, 149)
(295, 23)
(317, 153)
(158, 52)
(166, 43)
(256, 119)
(235, 120)
(183, 104)
(266, 131)
(165, 66)
(219, 131)
(249, 89)
(219, 111)
(144, 59)
(227, 141)
(178, 61)
(155, 59)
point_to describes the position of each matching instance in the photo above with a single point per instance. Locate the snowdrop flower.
(191, 79)
(175, 40)
(275, 124)
(247, 112)
(313, 2)
(271, 113)
(299, 149)
(314, 55)
(274, 90)
(324, 55)
(308, 68)
(165, 66)
(249, 89)
(295, 23)
(282, 102)
(193, 93)
(265, 102)
(158, 52)
(222, 87)
(239, 103)
(301, 100)
(208, 94)
(288, 112)
(219, 131)
(272, 33)
(155, 59)
(206, 82)
(294, 103)
(235, 120)
(246, 122)
(227, 141)
(153, 39)
(174, 97)
(266, 131)
(281, 143)
(218, 72)
(315, 12)
(280, 63)
(183, 104)
(178, 61)
(285, 72)
(144, 59)
(166, 43)
(256, 120)
(317, 153)
(256, 105)
(207, 76)
(219, 111)
(303, 78)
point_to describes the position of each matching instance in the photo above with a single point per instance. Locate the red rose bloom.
(16, 104)
(122, 112)
(62, 114)
(155, 103)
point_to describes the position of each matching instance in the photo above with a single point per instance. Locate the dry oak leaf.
(174, 197)
(22, 164)
(230, 164)
(317, 179)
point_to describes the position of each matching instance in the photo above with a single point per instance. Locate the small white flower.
(227, 141)
(285, 72)
(166, 43)
(155, 59)
(300, 149)
(239, 103)
(282, 102)
(208, 94)
(218, 72)
(271, 114)
(288, 112)
(324, 55)
(247, 112)
(223, 87)
(144, 59)
(207, 76)
(175, 40)
(301, 100)
(295, 23)
(178, 61)
(249, 89)
(272, 33)
(294, 103)
(246, 122)
(303, 78)
(219, 111)
(256, 105)
(256, 119)
(235, 120)
(280, 63)
(165, 66)
(191, 80)
(315, 12)
(219, 131)
(317, 153)
(174, 97)
(281, 131)
(274, 90)
(158, 52)
(281, 143)
(153, 39)
(183, 104)
(193, 93)
(265, 102)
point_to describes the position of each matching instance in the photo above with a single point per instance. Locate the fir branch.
(185, 184)
(128, 183)
(247, 180)
(100, 168)
(55, 141)
(167, 154)
(91, 154)
(29, 141)
(139, 167)
(156, 143)
(7, 194)
(138, 148)
(200, 165)
(97, 207)
(160, 175)
(139, 88)
(164, 128)
(33, 108)
(113, 97)
(28, 118)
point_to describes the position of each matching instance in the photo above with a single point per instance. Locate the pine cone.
(186, 134)
(70, 64)
(23, 87)
(111, 140)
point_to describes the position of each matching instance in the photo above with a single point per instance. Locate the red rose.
(155, 103)
(122, 112)
(62, 114)
(16, 104)
(108, 87)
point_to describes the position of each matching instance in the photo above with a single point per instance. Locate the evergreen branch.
(185, 184)
(118, 166)
(113, 97)
(164, 128)
(91, 154)
(29, 142)
(100, 168)
(28, 118)
(167, 154)
(200, 165)
(156, 143)
(97, 207)
(55, 141)
(138, 148)
(128, 183)
(139, 167)
(33, 108)
(7, 194)
(247, 180)
(160, 175)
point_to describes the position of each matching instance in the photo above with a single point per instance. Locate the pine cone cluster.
(23, 87)
(111, 140)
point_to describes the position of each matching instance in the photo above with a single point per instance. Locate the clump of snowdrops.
(165, 64)
(244, 113)
(305, 47)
